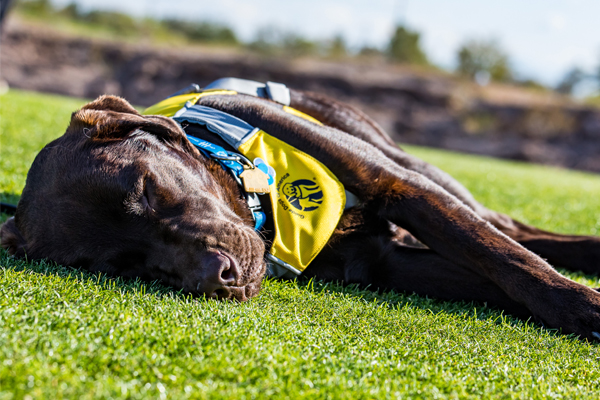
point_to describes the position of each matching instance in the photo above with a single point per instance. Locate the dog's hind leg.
(572, 252)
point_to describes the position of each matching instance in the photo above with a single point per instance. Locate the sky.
(543, 38)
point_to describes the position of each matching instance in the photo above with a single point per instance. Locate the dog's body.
(129, 195)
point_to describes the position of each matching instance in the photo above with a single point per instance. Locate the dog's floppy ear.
(11, 238)
(101, 112)
(111, 117)
(111, 103)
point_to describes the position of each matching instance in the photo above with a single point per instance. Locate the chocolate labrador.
(129, 195)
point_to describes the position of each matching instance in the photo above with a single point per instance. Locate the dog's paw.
(572, 308)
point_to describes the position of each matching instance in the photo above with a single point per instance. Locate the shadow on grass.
(460, 309)
(467, 309)
(397, 300)
(50, 268)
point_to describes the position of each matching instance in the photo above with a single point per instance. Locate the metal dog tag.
(255, 181)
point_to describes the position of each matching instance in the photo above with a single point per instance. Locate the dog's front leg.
(565, 251)
(430, 213)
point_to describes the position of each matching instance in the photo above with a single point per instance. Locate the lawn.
(65, 333)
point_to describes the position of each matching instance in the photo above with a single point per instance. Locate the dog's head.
(129, 195)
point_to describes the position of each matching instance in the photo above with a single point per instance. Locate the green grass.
(65, 333)
(28, 121)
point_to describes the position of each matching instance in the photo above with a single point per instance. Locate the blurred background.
(512, 79)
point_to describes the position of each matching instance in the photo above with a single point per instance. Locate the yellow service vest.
(307, 199)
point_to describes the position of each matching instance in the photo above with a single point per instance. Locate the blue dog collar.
(234, 163)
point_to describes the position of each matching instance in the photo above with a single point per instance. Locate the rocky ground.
(419, 107)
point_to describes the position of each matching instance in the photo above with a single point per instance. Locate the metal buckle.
(234, 157)
(192, 88)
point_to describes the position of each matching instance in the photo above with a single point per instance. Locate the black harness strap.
(8, 208)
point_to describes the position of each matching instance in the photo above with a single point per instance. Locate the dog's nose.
(220, 274)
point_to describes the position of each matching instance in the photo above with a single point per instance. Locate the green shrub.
(404, 47)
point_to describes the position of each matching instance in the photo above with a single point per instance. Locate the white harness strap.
(277, 92)
(231, 129)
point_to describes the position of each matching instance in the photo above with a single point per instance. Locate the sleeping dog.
(145, 196)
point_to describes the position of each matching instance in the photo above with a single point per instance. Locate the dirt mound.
(426, 108)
